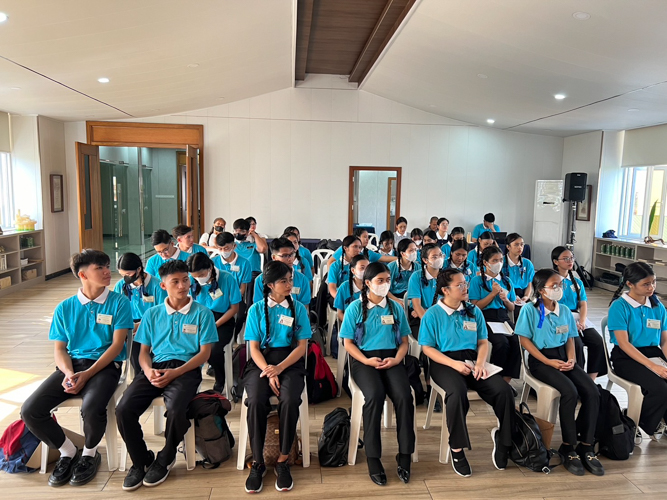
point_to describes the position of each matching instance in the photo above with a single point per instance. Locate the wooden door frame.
(95, 208)
(152, 135)
(350, 183)
(389, 179)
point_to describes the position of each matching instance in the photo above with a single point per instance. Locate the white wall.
(56, 225)
(581, 153)
(284, 158)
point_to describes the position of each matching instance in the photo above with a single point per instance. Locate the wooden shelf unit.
(11, 241)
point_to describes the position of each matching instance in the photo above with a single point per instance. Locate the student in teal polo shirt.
(350, 290)
(638, 329)
(89, 331)
(216, 290)
(421, 286)
(249, 244)
(485, 240)
(165, 250)
(486, 225)
(375, 331)
(301, 264)
(403, 268)
(143, 290)
(493, 293)
(180, 333)
(185, 241)
(229, 260)
(458, 233)
(458, 259)
(282, 250)
(371, 255)
(277, 332)
(339, 269)
(453, 336)
(519, 270)
(547, 331)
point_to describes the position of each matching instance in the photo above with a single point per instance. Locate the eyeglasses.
(286, 255)
(567, 259)
(461, 286)
(648, 286)
(165, 250)
(559, 286)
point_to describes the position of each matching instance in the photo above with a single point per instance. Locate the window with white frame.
(643, 202)
(7, 212)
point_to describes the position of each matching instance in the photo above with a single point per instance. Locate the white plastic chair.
(358, 401)
(323, 255)
(414, 348)
(304, 423)
(229, 372)
(548, 398)
(373, 241)
(110, 434)
(332, 317)
(340, 364)
(634, 391)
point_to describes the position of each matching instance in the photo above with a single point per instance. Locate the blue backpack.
(17, 445)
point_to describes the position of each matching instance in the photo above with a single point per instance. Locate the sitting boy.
(89, 330)
(180, 333)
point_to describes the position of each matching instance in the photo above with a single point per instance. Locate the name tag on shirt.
(387, 320)
(235, 269)
(148, 298)
(106, 319)
(296, 290)
(562, 329)
(470, 326)
(190, 328)
(653, 323)
(216, 295)
(286, 320)
(573, 288)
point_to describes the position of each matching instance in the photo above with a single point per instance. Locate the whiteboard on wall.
(547, 221)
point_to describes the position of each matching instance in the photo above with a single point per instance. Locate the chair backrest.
(262, 257)
(603, 324)
(212, 252)
(324, 269)
(374, 240)
(321, 255)
(406, 305)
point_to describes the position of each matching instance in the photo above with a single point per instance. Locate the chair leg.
(243, 434)
(525, 391)
(609, 385)
(415, 455)
(444, 439)
(304, 422)
(189, 441)
(111, 436)
(44, 462)
(355, 427)
(229, 374)
(635, 400)
(340, 366)
(123, 456)
(431, 409)
(158, 420)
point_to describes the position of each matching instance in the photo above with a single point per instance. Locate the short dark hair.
(279, 243)
(443, 219)
(489, 217)
(242, 224)
(181, 230)
(172, 267)
(86, 258)
(160, 236)
(224, 238)
(250, 219)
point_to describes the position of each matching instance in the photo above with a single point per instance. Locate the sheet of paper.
(502, 328)
(588, 321)
(491, 369)
(658, 361)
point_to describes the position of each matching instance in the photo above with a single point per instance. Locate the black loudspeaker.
(575, 186)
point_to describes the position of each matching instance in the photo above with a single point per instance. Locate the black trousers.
(217, 357)
(494, 391)
(259, 392)
(654, 387)
(376, 385)
(139, 396)
(572, 385)
(594, 341)
(36, 411)
(505, 351)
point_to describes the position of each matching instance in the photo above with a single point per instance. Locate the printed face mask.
(380, 290)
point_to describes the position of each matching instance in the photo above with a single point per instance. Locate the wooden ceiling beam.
(303, 27)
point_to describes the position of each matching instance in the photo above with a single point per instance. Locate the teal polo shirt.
(447, 329)
(378, 332)
(142, 298)
(557, 327)
(282, 324)
(478, 292)
(154, 263)
(643, 323)
(239, 268)
(225, 295)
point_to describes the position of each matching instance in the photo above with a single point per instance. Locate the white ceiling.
(243, 49)
(531, 50)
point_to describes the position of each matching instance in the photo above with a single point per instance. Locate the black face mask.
(240, 237)
(131, 278)
(219, 229)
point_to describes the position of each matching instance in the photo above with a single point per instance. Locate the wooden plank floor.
(26, 357)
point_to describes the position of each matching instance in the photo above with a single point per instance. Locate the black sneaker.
(590, 461)
(571, 461)
(135, 477)
(284, 478)
(499, 454)
(460, 464)
(85, 470)
(63, 470)
(157, 473)
(255, 481)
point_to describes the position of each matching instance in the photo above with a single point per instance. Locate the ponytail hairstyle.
(487, 253)
(539, 283)
(201, 262)
(458, 245)
(445, 279)
(634, 273)
(347, 242)
(353, 263)
(508, 241)
(386, 236)
(275, 271)
(426, 250)
(371, 272)
(402, 247)
(416, 232)
(132, 262)
(213, 226)
(358, 231)
(555, 255)
(455, 231)
(486, 235)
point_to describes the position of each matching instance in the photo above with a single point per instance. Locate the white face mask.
(227, 255)
(358, 274)
(380, 290)
(418, 243)
(411, 257)
(495, 268)
(437, 263)
(204, 280)
(554, 295)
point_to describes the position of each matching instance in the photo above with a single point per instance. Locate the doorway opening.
(374, 198)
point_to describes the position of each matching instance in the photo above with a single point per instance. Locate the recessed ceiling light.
(193, 65)
(482, 76)
(103, 80)
(15, 88)
(581, 16)
(633, 109)
(490, 121)
(3, 17)
(560, 97)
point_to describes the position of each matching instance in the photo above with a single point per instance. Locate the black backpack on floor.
(614, 432)
(333, 444)
(213, 439)
(528, 448)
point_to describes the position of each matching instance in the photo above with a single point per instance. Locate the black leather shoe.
(403, 473)
(85, 470)
(380, 478)
(590, 461)
(571, 460)
(62, 472)
(376, 471)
